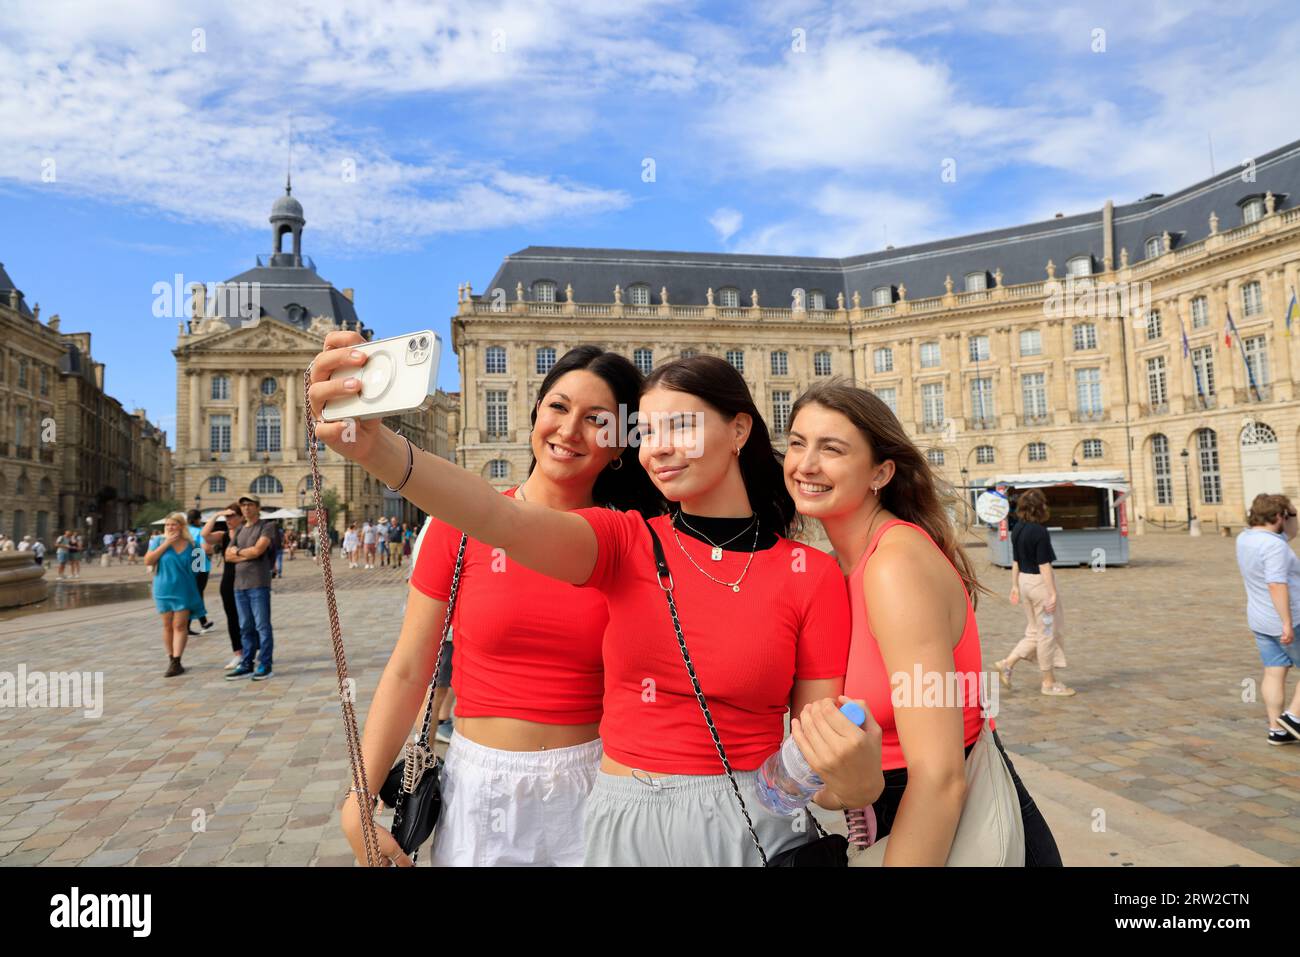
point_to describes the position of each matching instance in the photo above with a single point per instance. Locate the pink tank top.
(867, 679)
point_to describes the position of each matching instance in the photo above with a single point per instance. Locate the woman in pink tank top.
(915, 652)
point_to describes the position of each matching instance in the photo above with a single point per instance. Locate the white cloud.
(844, 220)
(726, 221)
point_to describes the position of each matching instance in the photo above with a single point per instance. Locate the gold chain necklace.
(734, 586)
(716, 554)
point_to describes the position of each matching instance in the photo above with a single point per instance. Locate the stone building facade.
(69, 451)
(1099, 341)
(239, 387)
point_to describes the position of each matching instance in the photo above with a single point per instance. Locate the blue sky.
(476, 129)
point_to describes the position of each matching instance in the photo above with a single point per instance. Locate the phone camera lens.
(412, 345)
(424, 342)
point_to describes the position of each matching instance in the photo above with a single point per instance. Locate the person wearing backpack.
(253, 555)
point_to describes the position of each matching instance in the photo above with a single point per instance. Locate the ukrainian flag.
(1292, 312)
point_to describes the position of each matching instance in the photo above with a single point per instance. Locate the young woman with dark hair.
(526, 669)
(851, 465)
(766, 619)
(1031, 567)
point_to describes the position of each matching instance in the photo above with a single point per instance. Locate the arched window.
(984, 455)
(1207, 453)
(267, 427)
(882, 295)
(638, 294)
(268, 386)
(217, 484)
(976, 281)
(1079, 266)
(1092, 449)
(1257, 433)
(1162, 469)
(266, 485)
(306, 483)
(1252, 210)
(1153, 247)
(494, 360)
(544, 291)
(1037, 452)
(729, 297)
(498, 469)
(644, 359)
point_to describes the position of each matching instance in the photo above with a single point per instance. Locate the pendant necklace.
(716, 554)
(734, 586)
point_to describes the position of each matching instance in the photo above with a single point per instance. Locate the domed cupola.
(286, 217)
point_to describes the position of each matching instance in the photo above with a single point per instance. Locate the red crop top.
(867, 679)
(790, 620)
(525, 646)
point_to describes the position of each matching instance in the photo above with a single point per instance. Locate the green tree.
(150, 512)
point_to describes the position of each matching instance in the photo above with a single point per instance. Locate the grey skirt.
(681, 821)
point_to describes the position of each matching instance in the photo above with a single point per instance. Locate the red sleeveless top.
(867, 679)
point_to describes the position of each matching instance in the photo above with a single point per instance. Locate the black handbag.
(827, 850)
(413, 788)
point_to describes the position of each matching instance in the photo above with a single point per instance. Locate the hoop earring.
(875, 490)
(737, 451)
(617, 464)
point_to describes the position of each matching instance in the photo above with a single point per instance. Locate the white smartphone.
(400, 375)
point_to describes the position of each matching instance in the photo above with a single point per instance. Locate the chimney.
(347, 294)
(99, 376)
(36, 312)
(54, 323)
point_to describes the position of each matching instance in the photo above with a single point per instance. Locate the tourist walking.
(369, 537)
(1270, 571)
(350, 543)
(202, 564)
(1033, 584)
(63, 552)
(175, 592)
(249, 554)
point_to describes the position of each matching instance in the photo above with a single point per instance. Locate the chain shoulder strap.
(418, 756)
(665, 576)
(360, 784)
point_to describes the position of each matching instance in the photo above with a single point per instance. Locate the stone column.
(1005, 378)
(1058, 385)
(194, 442)
(290, 445)
(240, 425)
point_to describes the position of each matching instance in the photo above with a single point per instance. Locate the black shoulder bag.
(413, 788)
(828, 850)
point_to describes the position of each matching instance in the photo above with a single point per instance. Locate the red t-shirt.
(790, 620)
(526, 646)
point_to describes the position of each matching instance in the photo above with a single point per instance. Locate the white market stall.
(1089, 519)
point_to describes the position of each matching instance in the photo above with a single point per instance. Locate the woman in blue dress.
(175, 589)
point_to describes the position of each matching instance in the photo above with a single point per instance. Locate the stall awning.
(1088, 479)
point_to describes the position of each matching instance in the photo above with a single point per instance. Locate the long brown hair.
(915, 494)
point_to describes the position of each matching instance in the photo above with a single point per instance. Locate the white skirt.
(513, 808)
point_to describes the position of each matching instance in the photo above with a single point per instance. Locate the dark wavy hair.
(1031, 506)
(716, 382)
(915, 494)
(628, 488)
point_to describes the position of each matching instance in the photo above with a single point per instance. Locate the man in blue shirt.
(200, 563)
(1270, 571)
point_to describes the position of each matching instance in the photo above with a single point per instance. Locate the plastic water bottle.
(786, 782)
(1048, 621)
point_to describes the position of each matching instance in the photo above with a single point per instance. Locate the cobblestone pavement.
(198, 770)
(1161, 658)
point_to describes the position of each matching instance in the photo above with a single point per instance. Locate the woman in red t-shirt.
(766, 619)
(526, 665)
(915, 654)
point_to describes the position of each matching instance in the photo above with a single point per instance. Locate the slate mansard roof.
(1021, 252)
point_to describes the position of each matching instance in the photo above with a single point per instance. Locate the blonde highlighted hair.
(183, 520)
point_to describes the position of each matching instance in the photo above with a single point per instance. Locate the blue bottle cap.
(853, 711)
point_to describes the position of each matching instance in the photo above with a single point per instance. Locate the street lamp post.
(965, 496)
(1193, 525)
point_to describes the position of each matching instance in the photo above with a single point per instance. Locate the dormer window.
(1079, 266)
(976, 281)
(544, 291)
(882, 295)
(729, 297)
(1252, 210)
(639, 294)
(816, 300)
(1153, 247)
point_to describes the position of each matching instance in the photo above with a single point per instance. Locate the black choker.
(728, 534)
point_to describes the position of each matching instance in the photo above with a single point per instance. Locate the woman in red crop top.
(766, 619)
(527, 656)
(850, 464)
